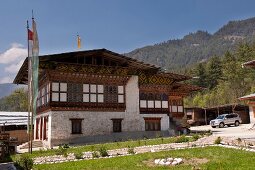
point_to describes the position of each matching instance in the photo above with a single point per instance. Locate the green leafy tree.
(17, 101)
(214, 72)
(200, 76)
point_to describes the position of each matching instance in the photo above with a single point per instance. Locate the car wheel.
(221, 125)
(237, 123)
(213, 126)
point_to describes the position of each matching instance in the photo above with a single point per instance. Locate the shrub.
(195, 137)
(162, 140)
(181, 139)
(61, 151)
(239, 140)
(139, 142)
(25, 162)
(103, 152)
(131, 150)
(193, 145)
(218, 140)
(78, 155)
(66, 146)
(95, 154)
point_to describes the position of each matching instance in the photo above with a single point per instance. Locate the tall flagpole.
(29, 87)
(32, 104)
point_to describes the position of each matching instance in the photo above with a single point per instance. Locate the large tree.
(17, 101)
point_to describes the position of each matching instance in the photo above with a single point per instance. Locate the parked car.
(226, 119)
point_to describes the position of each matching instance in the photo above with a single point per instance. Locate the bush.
(95, 154)
(103, 152)
(24, 162)
(65, 146)
(218, 140)
(131, 150)
(61, 151)
(181, 139)
(195, 137)
(78, 155)
(239, 140)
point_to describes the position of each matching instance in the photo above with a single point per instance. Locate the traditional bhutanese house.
(251, 97)
(99, 92)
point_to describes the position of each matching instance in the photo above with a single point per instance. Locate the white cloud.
(15, 54)
(6, 80)
(13, 68)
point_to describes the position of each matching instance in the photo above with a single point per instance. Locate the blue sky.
(117, 25)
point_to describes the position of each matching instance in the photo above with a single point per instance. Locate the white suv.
(226, 119)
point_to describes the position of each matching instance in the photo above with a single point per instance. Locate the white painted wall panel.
(157, 104)
(86, 88)
(165, 104)
(63, 86)
(55, 86)
(143, 103)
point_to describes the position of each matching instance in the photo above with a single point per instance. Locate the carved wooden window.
(74, 92)
(120, 94)
(93, 93)
(176, 105)
(152, 124)
(43, 95)
(114, 94)
(59, 92)
(76, 125)
(151, 100)
(116, 124)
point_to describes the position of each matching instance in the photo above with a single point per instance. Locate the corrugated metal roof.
(13, 118)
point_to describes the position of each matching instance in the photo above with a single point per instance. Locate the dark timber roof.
(77, 56)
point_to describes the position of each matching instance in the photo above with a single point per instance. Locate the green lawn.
(114, 145)
(218, 158)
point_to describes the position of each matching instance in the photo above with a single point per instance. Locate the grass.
(218, 157)
(113, 145)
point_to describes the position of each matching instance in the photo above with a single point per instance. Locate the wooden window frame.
(59, 92)
(114, 122)
(176, 102)
(97, 93)
(77, 94)
(153, 97)
(151, 123)
(79, 121)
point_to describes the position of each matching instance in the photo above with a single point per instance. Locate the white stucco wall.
(97, 123)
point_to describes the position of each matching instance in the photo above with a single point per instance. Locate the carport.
(202, 116)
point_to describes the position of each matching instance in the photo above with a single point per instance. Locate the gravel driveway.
(243, 131)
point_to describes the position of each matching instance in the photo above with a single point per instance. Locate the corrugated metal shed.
(13, 118)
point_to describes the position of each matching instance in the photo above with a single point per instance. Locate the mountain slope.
(196, 47)
(7, 88)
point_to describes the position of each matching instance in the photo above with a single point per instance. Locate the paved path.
(241, 131)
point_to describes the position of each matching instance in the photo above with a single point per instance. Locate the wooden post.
(205, 117)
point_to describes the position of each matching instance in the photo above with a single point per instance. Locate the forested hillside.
(197, 47)
(223, 78)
